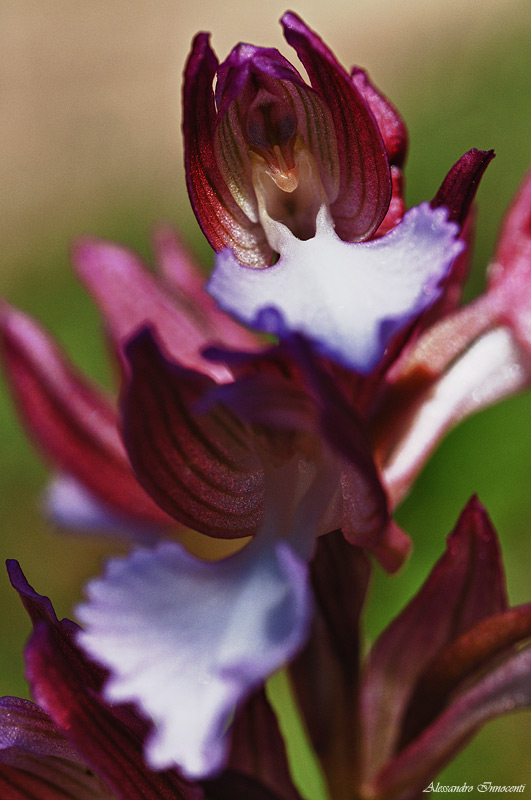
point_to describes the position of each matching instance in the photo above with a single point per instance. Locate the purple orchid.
(283, 445)
(277, 166)
(75, 745)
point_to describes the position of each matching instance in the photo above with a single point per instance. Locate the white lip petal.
(186, 640)
(349, 299)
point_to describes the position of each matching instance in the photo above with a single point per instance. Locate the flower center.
(276, 148)
(290, 195)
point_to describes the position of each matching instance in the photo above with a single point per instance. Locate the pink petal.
(130, 298)
(190, 298)
(510, 275)
(492, 368)
(71, 421)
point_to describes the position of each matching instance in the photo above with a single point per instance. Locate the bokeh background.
(90, 143)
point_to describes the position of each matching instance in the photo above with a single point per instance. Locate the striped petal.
(200, 468)
(223, 222)
(365, 183)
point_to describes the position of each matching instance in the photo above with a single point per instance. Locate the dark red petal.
(199, 467)
(510, 274)
(35, 777)
(105, 742)
(38, 607)
(458, 189)
(70, 420)
(391, 125)
(37, 761)
(221, 219)
(466, 585)
(257, 747)
(237, 786)
(365, 183)
(131, 298)
(504, 689)
(471, 651)
(340, 576)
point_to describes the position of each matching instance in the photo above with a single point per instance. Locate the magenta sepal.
(71, 420)
(185, 318)
(391, 125)
(510, 273)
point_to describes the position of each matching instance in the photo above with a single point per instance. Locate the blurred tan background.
(90, 142)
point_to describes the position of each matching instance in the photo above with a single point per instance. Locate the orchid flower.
(283, 445)
(75, 745)
(277, 166)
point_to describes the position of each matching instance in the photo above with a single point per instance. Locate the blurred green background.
(90, 142)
